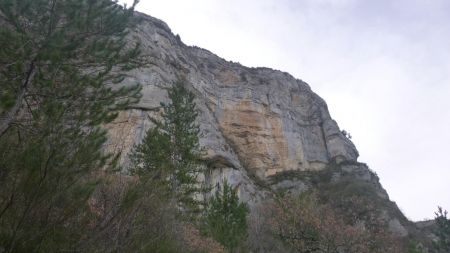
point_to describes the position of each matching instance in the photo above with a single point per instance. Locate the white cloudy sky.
(382, 66)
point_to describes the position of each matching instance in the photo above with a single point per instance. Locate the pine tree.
(443, 230)
(171, 151)
(179, 123)
(69, 52)
(226, 218)
(61, 62)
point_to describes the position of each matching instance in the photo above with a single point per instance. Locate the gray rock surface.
(397, 228)
(256, 120)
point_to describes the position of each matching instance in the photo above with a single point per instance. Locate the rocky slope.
(262, 128)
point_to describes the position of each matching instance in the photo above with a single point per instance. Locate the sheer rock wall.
(257, 120)
(257, 123)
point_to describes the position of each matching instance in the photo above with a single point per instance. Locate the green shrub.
(443, 230)
(226, 218)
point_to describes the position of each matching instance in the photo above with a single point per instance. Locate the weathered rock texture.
(260, 119)
(256, 122)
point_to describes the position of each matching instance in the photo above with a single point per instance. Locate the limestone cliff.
(257, 123)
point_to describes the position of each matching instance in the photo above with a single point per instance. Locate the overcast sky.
(383, 67)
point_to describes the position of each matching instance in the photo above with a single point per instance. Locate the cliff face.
(263, 120)
(257, 123)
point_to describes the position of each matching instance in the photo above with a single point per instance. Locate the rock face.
(257, 123)
(260, 119)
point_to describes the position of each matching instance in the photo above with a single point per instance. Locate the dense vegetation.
(226, 218)
(61, 62)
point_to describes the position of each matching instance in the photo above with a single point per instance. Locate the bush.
(442, 231)
(310, 226)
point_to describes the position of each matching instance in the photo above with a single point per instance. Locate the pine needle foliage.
(61, 65)
(65, 54)
(171, 150)
(442, 231)
(226, 218)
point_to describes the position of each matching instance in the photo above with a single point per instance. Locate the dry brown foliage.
(306, 225)
(195, 242)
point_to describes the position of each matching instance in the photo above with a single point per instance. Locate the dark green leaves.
(442, 231)
(59, 83)
(226, 218)
(171, 151)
